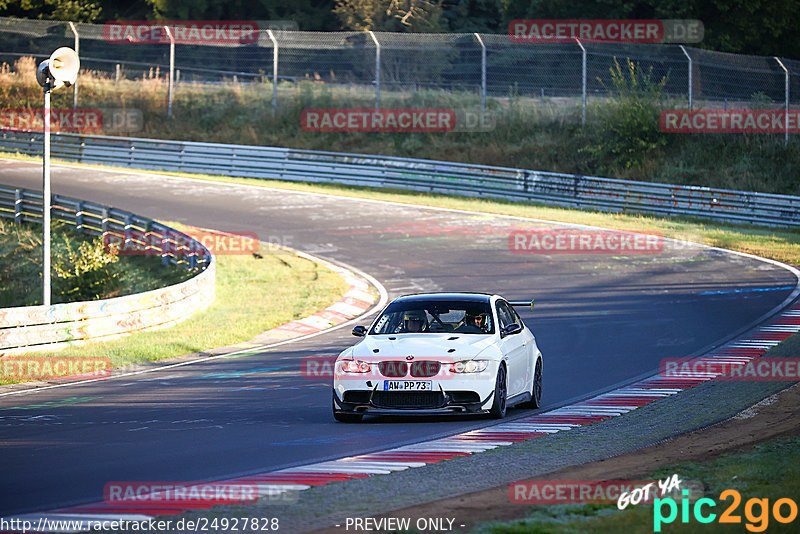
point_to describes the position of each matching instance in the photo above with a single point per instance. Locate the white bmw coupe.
(439, 353)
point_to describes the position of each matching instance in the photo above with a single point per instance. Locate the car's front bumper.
(470, 393)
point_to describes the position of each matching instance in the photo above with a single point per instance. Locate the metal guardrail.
(38, 327)
(568, 190)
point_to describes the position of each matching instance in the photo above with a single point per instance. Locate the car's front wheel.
(498, 410)
(345, 417)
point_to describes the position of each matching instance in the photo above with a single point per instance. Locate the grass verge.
(253, 294)
(621, 139)
(82, 269)
(770, 470)
(767, 470)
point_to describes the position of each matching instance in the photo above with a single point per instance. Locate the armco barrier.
(567, 190)
(37, 327)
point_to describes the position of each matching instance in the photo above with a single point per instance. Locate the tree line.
(762, 27)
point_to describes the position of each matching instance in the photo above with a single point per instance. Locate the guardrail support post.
(164, 250)
(79, 218)
(377, 70)
(18, 206)
(483, 72)
(171, 70)
(78, 52)
(785, 101)
(104, 222)
(583, 82)
(691, 72)
(274, 71)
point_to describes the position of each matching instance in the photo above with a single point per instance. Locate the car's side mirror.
(359, 331)
(511, 329)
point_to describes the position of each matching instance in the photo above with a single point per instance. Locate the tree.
(468, 16)
(74, 10)
(762, 27)
(390, 15)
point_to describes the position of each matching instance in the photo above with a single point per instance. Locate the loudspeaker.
(60, 69)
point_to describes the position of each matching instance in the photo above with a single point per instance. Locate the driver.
(476, 320)
(414, 321)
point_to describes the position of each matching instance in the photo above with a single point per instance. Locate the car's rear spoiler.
(522, 303)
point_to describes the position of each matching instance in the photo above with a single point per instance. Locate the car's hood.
(437, 346)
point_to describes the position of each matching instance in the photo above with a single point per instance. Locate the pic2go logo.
(756, 511)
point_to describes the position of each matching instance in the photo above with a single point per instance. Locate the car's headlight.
(354, 366)
(470, 366)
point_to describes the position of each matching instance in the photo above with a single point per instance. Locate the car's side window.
(516, 318)
(504, 315)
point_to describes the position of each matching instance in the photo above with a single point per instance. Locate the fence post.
(785, 101)
(77, 47)
(583, 82)
(691, 71)
(377, 70)
(274, 71)
(171, 70)
(483, 72)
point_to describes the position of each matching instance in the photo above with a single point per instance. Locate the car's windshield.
(435, 316)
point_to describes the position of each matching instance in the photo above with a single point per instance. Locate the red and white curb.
(586, 412)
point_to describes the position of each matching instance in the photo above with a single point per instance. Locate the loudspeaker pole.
(46, 200)
(61, 69)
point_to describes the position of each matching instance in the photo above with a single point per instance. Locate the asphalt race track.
(600, 320)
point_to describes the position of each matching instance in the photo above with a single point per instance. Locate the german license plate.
(407, 385)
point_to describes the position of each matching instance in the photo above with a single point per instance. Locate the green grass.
(533, 133)
(21, 268)
(770, 470)
(252, 295)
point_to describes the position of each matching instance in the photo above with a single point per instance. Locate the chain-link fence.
(375, 64)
